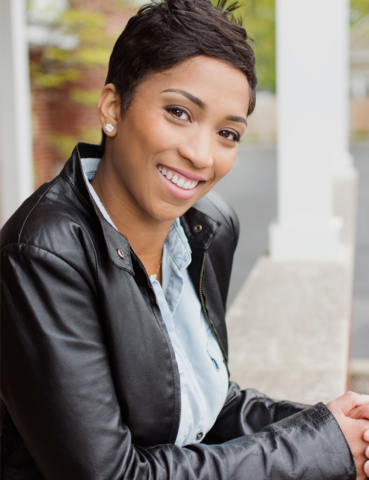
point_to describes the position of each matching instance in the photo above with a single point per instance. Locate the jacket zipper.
(202, 270)
(147, 275)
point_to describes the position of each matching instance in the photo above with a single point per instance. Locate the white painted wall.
(15, 117)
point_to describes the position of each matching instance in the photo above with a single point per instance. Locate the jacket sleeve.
(248, 411)
(58, 388)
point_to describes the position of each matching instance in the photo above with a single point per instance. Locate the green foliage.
(258, 18)
(58, 66)
(65, 144)
(85, 97)
(259, 21)
(359, 9)
(54, 79)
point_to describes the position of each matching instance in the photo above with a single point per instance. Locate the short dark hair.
(168, 32)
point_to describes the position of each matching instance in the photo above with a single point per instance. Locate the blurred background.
(70, 43)
(69, 46)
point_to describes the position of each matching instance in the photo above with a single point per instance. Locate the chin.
(170, 212)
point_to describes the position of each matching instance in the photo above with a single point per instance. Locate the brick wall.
(56, 115)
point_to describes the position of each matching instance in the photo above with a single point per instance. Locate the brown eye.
(229, 135)
(178, 113)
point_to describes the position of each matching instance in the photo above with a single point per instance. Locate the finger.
(347, 402)
(360, 413)
(366, 468)
(357, 399)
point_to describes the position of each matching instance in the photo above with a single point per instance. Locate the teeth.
(180, 182)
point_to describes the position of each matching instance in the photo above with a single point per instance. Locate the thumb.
(347, 402)
(360, 413)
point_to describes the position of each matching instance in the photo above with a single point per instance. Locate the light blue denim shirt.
(203, 375)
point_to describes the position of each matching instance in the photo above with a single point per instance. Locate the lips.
(180, 180)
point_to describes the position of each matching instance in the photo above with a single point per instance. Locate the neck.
(145, 234)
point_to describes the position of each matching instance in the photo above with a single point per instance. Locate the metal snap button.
(198, 228)
(199, 436)
(120, 253)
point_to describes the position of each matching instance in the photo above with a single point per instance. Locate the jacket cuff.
(323, 442)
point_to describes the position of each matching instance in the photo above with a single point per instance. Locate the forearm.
(246, 412)
(308, 445)
(58, 387)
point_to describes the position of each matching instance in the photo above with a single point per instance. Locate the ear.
(109, 109)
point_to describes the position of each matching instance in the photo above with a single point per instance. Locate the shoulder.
(216, 207)
(53, 219)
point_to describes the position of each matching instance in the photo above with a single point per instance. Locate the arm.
(58, 387)
(248, 411)
(351, 412)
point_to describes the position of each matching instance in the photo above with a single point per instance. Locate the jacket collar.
(199, 228)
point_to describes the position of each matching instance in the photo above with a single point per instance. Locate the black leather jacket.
(90, 385)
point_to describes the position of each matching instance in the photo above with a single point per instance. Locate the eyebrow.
(237, 119)
(201, 104)
(193, 99)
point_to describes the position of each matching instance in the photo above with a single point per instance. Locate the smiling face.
(177, 139)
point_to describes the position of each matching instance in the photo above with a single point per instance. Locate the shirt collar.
(89, 167)
(178, 246)
(116, 242)
(176, 242)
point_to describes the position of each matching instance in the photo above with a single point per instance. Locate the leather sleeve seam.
(34, 206)
(27, 245)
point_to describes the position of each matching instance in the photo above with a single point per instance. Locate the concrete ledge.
(359, 366)
(359, 375)
(289, 329)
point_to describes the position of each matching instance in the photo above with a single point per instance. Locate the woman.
(115, 280)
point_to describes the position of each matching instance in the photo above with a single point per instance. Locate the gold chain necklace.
(154, 276)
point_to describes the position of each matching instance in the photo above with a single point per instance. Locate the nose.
(197, 149)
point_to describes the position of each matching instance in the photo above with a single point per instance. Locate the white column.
(312, 69)
(16, 137)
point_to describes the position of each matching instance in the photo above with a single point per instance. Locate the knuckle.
(351, 395)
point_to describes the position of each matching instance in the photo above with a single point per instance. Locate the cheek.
(150, 132)
(139, 133)
(223, 165)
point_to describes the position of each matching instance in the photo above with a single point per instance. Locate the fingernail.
(366, 436)
(366, 468)
(367, 452)
(366, 397)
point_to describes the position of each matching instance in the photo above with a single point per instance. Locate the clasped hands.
(351, 411)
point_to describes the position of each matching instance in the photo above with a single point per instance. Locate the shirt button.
(199, 436)
(198, 228)
(120, 253)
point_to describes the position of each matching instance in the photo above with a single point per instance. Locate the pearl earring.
(109, 127)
